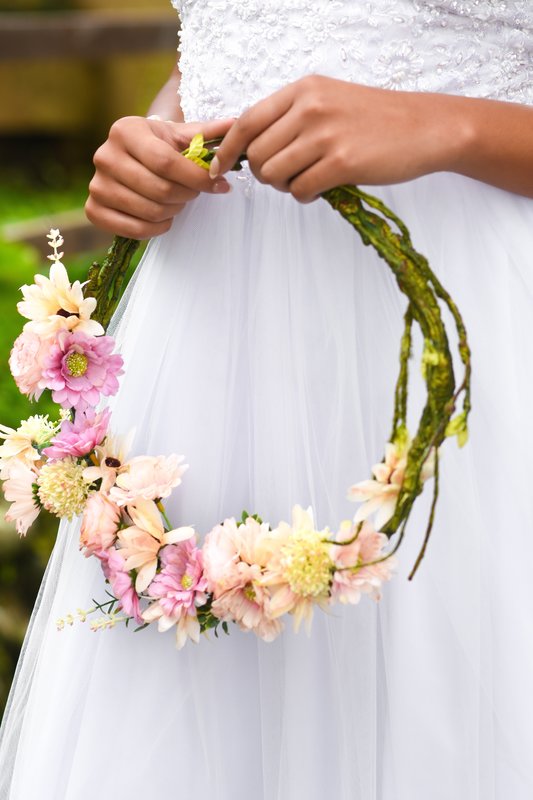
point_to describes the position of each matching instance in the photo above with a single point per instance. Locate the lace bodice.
(234, 52)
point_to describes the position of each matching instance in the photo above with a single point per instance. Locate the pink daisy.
(80, 368)
(80, 437)
(181, 584)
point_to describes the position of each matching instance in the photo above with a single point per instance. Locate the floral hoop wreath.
(246, 572)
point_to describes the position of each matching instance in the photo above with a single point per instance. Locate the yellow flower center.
(186, 581)
(307, 566)
(249, 592)
(77, 364)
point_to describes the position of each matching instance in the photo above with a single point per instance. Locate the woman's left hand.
(320, 132)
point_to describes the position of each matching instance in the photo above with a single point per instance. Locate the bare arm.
(166, 103)
(320, 132)
(497, 143)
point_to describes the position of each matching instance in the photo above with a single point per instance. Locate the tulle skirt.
(261, 340)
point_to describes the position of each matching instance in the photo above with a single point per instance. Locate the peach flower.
(100, 523)
(234, 560)
(380, 495)
(142, 541)
(147, 477)
(26, 363)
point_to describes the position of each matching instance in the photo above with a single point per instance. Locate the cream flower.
(147, 477)
(380, 495)
(53, 304)
(187, 625)
(19, 491)
(21, 444)
(187, 628)
(142, 541)
(300, 569)
(63, 490)
(111, 455)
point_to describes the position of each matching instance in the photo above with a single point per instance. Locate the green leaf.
(458, 427)
(196, 152)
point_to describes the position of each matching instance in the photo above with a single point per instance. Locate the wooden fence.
(88, 35)
(91, 37)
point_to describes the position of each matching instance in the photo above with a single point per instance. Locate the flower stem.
(161, 508)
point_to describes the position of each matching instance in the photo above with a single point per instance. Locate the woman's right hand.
(141, 181)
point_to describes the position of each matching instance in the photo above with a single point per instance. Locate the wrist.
(459, 133)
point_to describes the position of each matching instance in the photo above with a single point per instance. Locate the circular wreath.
(247, 571)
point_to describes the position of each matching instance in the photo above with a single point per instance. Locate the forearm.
(167, 102)
(490, 141)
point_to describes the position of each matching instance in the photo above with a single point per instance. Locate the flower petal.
(145, 576)
(179, 535)
(146, 515)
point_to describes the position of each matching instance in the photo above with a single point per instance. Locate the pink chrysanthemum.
(357, 573)
(234, 560)
(79, 369)
(179, 588)
(113, 566)
(181, 584)
(26, 363)
(80, 437)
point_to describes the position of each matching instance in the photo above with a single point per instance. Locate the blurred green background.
(68, 68)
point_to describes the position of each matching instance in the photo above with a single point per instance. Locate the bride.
(260, 340)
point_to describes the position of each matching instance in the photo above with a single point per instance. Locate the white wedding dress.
(261, 340)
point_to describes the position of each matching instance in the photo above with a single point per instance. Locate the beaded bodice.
(234, 52)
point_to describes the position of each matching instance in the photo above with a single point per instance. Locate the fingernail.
(222, 187)
(214, 168)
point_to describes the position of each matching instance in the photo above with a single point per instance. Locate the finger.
(118, 223)
(318, 178)
(284, 166)
(152, 144)
(113, 167)
(272, 141)
(162, 160)
(181, 133)
(248, 127)
(120, 198)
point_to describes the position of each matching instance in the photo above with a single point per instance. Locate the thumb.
(183, 132)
